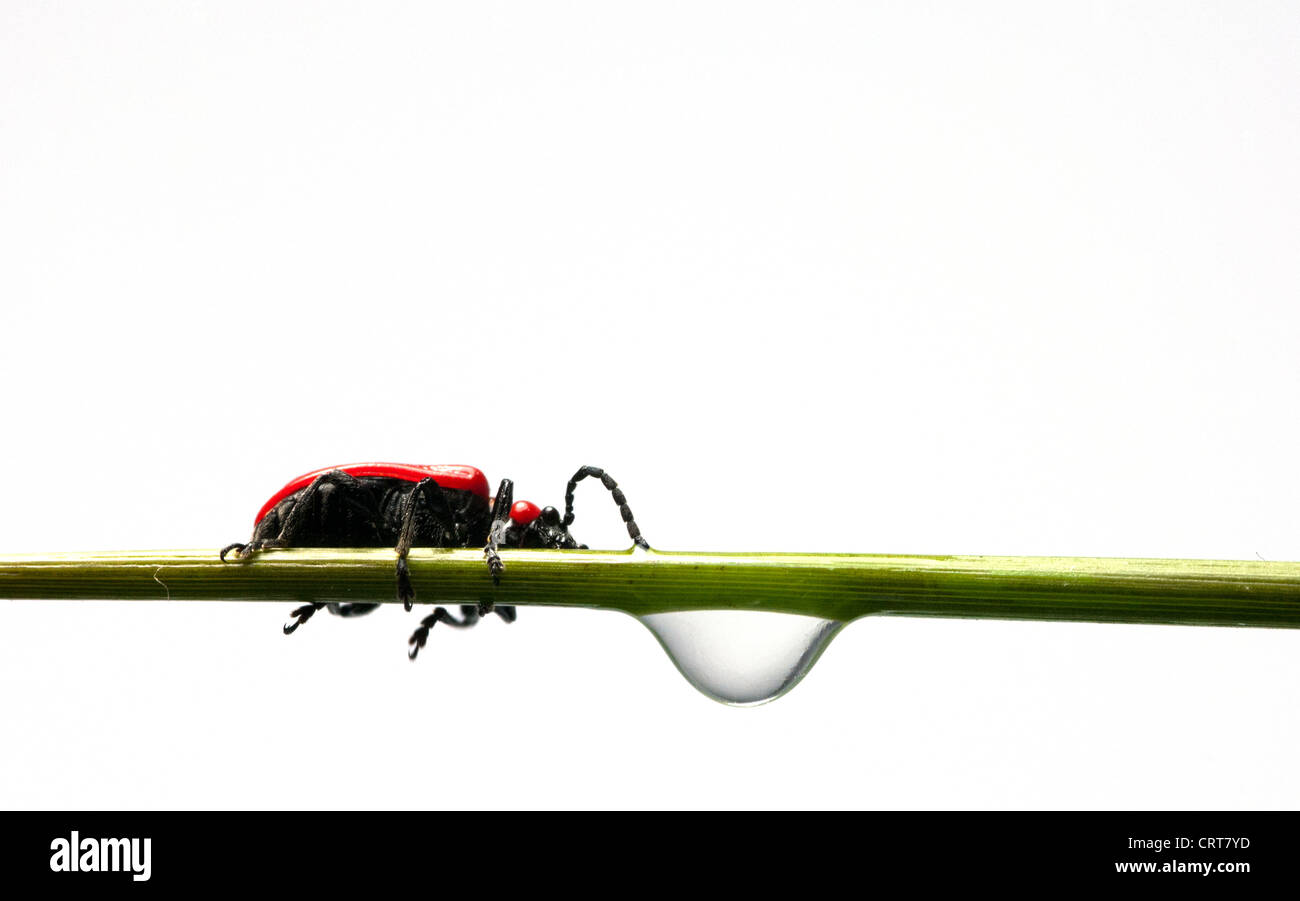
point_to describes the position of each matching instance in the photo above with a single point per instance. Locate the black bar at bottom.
(616, 853)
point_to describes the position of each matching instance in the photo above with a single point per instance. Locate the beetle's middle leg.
(443, 519)
(440, 615)
(469, 617)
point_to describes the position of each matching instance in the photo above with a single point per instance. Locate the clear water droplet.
(742, 657)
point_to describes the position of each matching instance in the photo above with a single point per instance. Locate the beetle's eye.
(524, 512)
(551, 516)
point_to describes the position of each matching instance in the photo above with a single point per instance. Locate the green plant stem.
(834, 586)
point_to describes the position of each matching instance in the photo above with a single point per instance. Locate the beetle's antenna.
(619, 498)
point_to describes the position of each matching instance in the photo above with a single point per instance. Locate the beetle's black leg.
(496, 534)
(301, 615)
(255, 544)
(433, 494)
(319, 493)
(497, 531)
(352, 609)
(597, 473)
(440, 615)
(305, 612)
(469, 614)
(469, 617)
(472, 613)
(271, 533)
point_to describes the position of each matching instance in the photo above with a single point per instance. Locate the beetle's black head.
(546, 530)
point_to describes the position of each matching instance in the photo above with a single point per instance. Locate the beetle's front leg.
(496, 535)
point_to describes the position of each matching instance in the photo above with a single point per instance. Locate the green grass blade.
(834, 586)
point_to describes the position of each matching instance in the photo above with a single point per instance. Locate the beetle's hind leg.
(245, 550)
(295, 523)
(311, 507)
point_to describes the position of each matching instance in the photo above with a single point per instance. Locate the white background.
(923, 278)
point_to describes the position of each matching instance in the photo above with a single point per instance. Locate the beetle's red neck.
(524, 512)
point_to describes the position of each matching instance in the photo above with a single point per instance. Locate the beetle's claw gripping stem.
(405, 593)
(244, 551)
(495, 565)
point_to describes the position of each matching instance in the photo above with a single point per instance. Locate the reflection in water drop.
(742, 657)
